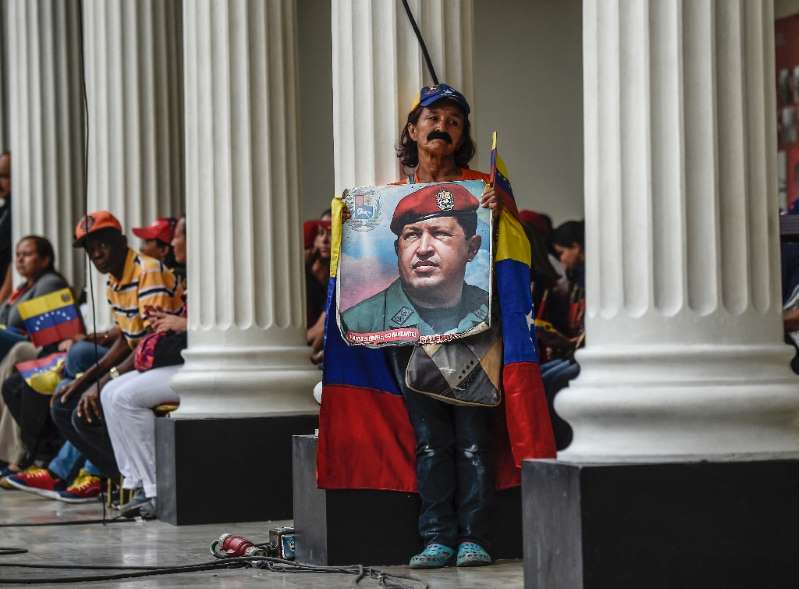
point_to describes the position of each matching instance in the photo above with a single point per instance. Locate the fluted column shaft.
(378, 70)
(247, 352)
(685, 355)
(4, 34)
(46, 124)
(135, 99)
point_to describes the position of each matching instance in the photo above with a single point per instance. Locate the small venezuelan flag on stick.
(499, 178)
(51, 318)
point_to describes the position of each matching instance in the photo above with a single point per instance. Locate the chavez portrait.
(415, 264)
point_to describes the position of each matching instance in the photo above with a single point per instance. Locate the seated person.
(135, 284)
(157, 240)
(128, 400)
(35, 262)
(317, 274)
(567, 332)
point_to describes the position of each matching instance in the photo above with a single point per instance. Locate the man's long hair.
(408, 151)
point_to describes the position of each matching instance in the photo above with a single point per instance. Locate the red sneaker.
(84, 489)
(37, 480)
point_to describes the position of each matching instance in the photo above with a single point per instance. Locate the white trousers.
(128, 403)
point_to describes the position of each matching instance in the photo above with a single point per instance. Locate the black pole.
(426, 54)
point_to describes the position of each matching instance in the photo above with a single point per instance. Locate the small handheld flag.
(499, 178)
(51, 318)
(43, 374)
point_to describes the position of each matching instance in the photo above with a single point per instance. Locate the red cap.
(434, 200)
(94, 222)
(162, 229)
(311, 228)
(538, 221)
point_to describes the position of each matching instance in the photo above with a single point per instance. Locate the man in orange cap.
(436, 229)
(135, 284)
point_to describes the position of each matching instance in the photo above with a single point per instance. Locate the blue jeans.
(454, 464)
(68, 461)
(556, 375)
(81, 357)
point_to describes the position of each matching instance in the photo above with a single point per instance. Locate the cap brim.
(145, 232)
(433, 99)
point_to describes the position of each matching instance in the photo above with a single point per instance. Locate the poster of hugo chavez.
(415, 264)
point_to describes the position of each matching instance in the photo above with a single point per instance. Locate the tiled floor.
(156, 543)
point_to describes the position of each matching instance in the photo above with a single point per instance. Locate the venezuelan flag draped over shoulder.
(43, 374)
(365, 437)
(51, 318)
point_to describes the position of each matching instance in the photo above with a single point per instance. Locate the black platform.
(343, 527)
(682, 525)
(218, 470)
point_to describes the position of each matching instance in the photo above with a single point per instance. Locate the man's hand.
(167, 322)
(65, 345)
(315, 335)
(89, 404)
(68, 391)
(490, 199)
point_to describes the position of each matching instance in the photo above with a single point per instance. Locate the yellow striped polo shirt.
(145, 282)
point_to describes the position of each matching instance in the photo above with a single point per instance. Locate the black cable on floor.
(73, 522)
(277, 565)
(8, 551)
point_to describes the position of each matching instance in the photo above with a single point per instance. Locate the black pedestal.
(343, 527)
(226, 469)
(700, 525)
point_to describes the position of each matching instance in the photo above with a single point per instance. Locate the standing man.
(454, 444)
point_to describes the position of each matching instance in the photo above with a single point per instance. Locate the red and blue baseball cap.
(431, 94)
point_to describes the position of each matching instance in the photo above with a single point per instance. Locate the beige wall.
(785, 8)
(528, 80)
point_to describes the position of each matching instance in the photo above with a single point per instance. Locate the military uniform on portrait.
(392, 309)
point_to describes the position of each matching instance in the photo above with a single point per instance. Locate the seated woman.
(35, 262)
(128, 400)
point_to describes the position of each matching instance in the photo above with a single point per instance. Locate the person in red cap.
(317, 274)
(157, 239)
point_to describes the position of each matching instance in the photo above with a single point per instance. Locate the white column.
(247, 353)
(134, 86)
(4, 34)
(685, 357)
(378, 70)
(46, 125)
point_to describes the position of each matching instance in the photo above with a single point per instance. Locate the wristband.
(114, 372)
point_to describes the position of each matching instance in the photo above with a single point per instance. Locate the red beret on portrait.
(433, 200)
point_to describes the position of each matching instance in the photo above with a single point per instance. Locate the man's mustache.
(439, 135)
